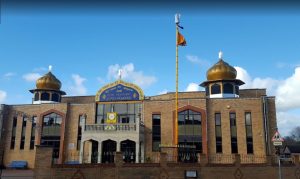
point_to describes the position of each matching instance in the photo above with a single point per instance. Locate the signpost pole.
(277, 142)
(279, 166)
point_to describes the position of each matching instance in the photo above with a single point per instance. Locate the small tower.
(47, 89)
(221, 80)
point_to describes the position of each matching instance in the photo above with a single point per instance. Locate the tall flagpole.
(176, 94)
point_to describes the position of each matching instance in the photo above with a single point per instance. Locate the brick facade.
(72, 107)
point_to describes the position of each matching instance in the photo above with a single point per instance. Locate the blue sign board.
(119, 93)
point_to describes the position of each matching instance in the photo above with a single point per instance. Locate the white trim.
(224, 95)
(43, 102)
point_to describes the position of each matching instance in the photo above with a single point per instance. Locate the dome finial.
(220, 55)
(50, 68)
(120, 74)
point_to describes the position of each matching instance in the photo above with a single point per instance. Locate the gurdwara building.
(223, 120)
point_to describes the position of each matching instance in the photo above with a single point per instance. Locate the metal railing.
(214, 159)
(110, 127)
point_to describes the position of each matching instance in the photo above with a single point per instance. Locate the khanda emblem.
(134, 95)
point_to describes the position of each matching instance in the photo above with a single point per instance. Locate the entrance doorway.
(128, 150)
(94, 156)
(108, 149)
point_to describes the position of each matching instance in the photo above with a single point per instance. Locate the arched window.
(36, 96)
(45, 96)
(51, 132)
(215, 89)
(228, 88)
(55, 97)
(189, 135)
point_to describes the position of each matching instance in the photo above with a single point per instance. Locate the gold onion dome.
(221, 71)
(48, 81)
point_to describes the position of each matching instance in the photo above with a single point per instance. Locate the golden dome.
(48, 81)
(221, 71)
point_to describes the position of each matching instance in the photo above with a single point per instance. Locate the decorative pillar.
(90, 152)
(99, 151)
(81, 152)
(118, 146)
(137, 151)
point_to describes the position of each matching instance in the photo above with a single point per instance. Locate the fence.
(174, 157)
(253, 159)
(221, 159)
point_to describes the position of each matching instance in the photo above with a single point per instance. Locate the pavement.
(17, 174)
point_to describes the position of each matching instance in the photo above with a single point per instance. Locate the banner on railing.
(177, 146)
(111, 118)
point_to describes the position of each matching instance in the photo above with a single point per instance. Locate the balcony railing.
(113, 127)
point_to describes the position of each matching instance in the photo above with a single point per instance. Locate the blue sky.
(87, 49)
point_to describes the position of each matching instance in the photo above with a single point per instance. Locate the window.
(228, 88)
(215, 89)
(51, 132)
(127, 112)
(249, 138)
(55, 97)
(189, 135)
(218, 132)
(23, 133)
(45, 96)
(80, 124)
(13, 133)
(156, 133)
(33, 127)
(233, 132)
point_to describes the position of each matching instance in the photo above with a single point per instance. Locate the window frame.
(218, 129)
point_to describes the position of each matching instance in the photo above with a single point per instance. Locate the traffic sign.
(277, 137)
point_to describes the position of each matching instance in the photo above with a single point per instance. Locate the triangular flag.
(180, 40)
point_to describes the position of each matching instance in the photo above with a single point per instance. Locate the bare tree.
(294, 137)
(295, 134)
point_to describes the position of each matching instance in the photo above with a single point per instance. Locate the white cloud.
(287, 93)
(269, 83)
(3, 96)
(197, 60)
(9, 75)
(243, 75)
(78, 88)
(287, 121)
(30, 77)
(193, 87)
(287, 96)
(129, 73)
(165, 91)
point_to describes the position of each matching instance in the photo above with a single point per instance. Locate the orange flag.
(180, 40)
